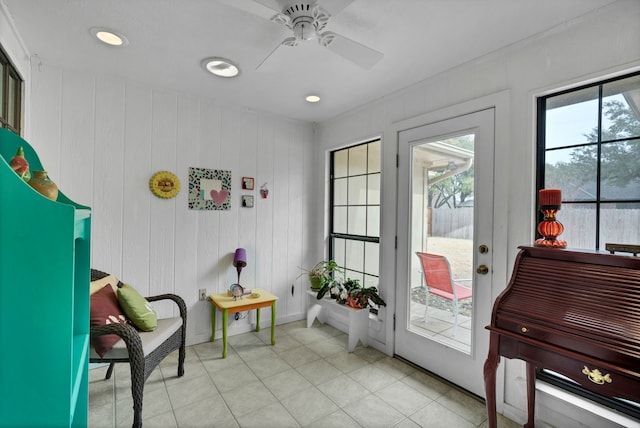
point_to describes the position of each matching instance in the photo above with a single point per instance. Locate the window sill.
(560, 399)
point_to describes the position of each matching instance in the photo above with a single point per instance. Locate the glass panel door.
(445, 234)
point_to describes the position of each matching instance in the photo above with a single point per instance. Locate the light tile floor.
(307, 379)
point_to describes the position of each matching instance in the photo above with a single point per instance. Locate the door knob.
(482, 270)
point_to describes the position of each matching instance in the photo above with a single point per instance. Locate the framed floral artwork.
(209, 189)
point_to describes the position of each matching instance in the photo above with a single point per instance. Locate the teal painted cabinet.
(44, 301)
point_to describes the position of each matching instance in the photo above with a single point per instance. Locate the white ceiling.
(169, 38)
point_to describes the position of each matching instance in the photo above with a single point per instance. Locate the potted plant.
(363, 297)
(333, 286)
(337, 289)
(352, 293)
(346, 288)
(322, 273)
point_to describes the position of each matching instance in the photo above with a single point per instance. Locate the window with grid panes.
(10, 94)
(589, 147)
(355, 211)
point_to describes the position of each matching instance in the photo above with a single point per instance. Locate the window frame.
(541, 151)
(347, 236)
(10, 72)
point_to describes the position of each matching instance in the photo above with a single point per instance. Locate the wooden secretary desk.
(575, 313)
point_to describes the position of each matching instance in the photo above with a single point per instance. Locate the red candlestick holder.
(550, 228)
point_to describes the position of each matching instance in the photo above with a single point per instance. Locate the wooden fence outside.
(620, 226)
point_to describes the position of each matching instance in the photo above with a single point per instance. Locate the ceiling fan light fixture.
(109, 37)
(220, 67)
(304, 30)
(312, 98)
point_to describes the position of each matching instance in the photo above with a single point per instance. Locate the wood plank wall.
(101, 139)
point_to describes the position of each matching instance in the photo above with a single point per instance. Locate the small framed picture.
(247, 183)
(247, 201)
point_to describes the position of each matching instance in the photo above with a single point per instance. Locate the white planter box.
(357, 319)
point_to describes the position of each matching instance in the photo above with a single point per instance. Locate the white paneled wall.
(102, 138)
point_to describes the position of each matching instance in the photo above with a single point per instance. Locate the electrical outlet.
(202, 293)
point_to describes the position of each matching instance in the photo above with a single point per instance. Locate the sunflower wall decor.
(164, 184)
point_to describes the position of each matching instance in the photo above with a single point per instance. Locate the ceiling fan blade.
(277, 5)
(271, 4)
(289, 41)
(259, 8)
(351, 50)
(334, 7)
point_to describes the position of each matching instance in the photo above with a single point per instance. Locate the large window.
(355, 211)
(589, 147)
(10, 94)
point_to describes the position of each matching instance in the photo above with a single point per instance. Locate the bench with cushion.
(143, 350)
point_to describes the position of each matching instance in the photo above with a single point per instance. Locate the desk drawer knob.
(524, 329)
(595, 376)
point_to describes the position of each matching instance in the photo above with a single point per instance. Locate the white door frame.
(501, 102)
(460, 367)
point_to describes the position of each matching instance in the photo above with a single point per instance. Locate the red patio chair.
(438, 279)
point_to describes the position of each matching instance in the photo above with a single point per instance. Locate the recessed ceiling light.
(110, 37)
(312, 98)
(220, 67)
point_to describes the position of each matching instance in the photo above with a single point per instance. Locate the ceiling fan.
(307, 19)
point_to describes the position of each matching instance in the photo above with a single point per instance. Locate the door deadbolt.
(482, 270)
(483, 249)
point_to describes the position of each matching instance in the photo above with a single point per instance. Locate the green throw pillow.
(137, 308)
